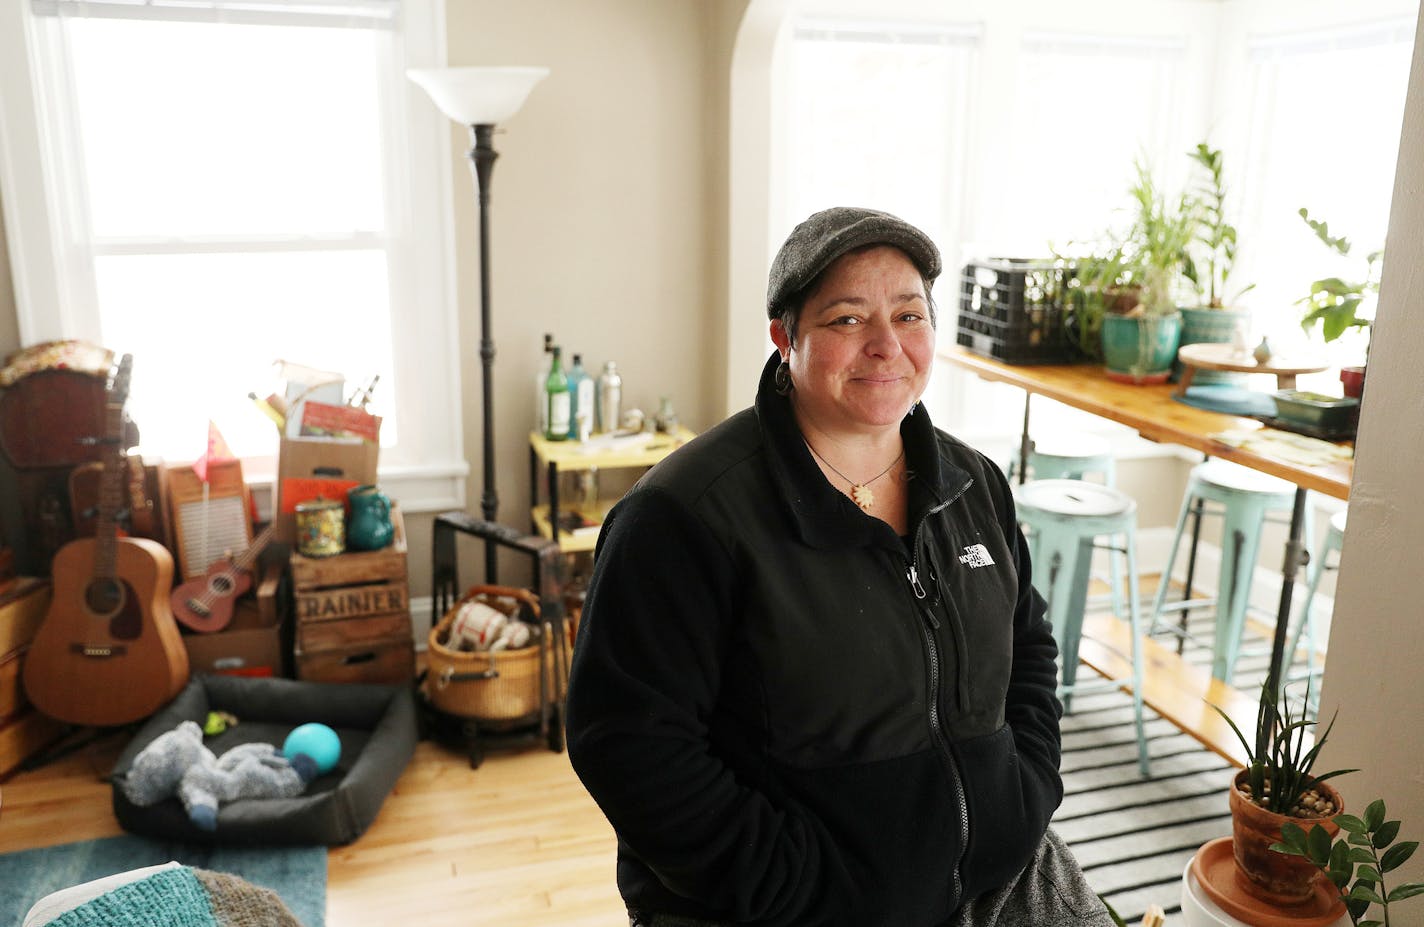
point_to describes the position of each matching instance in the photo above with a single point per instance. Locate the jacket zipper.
(927, 629)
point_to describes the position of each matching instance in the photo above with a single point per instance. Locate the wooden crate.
(344, 603)
(353, 615)
(356, 567)
(391, 662)
(375, 630)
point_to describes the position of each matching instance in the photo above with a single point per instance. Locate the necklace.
(860, 493)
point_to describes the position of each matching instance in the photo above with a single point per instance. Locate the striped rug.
(1135, 836)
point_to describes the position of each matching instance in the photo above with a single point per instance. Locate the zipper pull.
(914, 579)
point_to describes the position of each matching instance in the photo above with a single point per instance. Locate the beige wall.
(1376, 647)
(606, 214)
(9, 326)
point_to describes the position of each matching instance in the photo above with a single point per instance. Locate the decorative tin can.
(321, 528)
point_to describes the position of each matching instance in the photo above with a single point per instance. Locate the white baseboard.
(421, 621)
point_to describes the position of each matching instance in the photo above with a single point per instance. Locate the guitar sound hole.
(104, 596)
(222, 585)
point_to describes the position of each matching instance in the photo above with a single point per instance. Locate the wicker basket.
(500, 685)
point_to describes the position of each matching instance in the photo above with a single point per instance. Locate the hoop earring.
(782, 379)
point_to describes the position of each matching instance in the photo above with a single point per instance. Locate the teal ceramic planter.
(1140, 349)
(1211, 326)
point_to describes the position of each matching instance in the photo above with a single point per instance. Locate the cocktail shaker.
(610, 397)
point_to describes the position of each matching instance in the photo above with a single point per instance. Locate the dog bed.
(378, 732)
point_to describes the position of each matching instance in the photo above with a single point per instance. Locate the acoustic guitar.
(108, 651)
(206, 603)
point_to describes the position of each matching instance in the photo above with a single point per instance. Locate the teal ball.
(318, 742)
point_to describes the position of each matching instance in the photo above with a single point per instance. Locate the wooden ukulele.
(108, 651)
(206, 603)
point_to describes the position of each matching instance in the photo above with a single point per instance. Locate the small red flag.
(217, 451)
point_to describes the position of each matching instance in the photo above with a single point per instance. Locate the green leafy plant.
(1215, 238)
(1136, 270)
(1139, 271)
(1278, 756)
(1334, 302)
(1356, 855)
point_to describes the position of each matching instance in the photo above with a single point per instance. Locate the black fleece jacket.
(790, 715)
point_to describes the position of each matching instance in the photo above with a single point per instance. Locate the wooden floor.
(516, 843)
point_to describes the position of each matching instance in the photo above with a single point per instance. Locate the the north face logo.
(976, 555)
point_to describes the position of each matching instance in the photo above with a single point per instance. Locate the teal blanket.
(181, 897)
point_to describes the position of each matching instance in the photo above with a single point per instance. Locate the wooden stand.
(1194, 357)
(353, 615)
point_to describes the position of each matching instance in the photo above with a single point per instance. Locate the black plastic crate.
(1014, 310)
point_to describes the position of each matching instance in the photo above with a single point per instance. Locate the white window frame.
(1004, 31)
(53, 284)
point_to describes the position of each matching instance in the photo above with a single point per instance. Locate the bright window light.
(1326, 114)
(201, 129)
(204, 330)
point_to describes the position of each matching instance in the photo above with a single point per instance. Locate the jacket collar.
(825, 517)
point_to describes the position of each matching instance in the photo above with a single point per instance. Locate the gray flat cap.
(825, 236)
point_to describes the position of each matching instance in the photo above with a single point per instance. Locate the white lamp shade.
(478, 96)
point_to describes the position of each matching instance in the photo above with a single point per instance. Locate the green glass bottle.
(556, 400)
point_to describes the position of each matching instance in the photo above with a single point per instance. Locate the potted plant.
(1129, 287)
(1210, 259)
(1279, 787)
(1360, 846)
(1335, 302)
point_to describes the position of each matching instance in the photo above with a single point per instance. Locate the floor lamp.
(480, 97)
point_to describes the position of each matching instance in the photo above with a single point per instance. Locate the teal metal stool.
(1074, 457)
(1063, 517)
(1243, 497)
(1068, 457)
(1305, 624)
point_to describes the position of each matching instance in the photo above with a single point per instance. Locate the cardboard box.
(304, 465)
(257, 642)
(244, 652)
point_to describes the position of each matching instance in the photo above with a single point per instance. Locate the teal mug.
(369, 524)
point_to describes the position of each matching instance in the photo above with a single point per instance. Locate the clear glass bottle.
(541, 381)
(580, 401)
(556, 391)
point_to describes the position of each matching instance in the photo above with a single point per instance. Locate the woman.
(813, 684)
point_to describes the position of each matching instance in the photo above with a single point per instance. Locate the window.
(879, 116)
(1326, 110)
(984, 144)
(213, 187)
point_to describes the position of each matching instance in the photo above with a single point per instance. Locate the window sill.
(426, 488)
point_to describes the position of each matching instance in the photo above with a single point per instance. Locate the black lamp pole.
(482, 157)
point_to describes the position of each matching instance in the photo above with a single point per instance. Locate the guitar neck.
(111, 483)
(244, 562)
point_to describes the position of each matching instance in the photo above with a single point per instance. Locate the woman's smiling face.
(864, 342)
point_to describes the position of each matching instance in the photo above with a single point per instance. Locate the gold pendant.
(862, 496)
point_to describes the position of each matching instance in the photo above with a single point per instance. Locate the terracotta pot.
(1270, 876)
(1353, 379)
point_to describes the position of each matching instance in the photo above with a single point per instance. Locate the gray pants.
(1050, 892)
